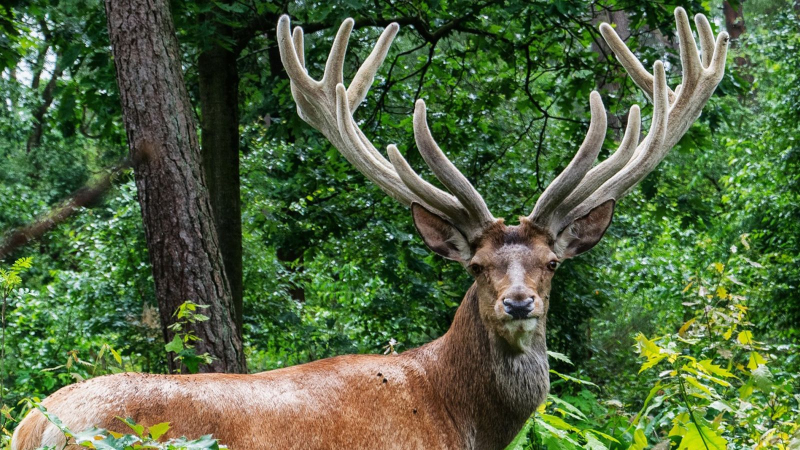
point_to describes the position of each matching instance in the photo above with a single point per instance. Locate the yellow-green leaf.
(729, 332)
(652, 362)
(679, 424)
(686, 326)
(158, 430)
(702, 438)
(647, 348)
(557, 422)
(746, 390)
(694, 382)
(719, 381)
(709, 367)
(639, 440)
(745, 337)
(755, 360)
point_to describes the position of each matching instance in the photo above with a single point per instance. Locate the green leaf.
(746, 390)
(559, 357)
(762, 378)
(521, 441)
(192, 364)
(557, 422)
(569, 408)
(696, 439)
(720, 406)
(176, 345)
(592, 443)
(138, 429)
(653, 391)
(572, 379)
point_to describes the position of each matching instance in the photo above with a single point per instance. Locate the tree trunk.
(734, 19)
(219, 106)
(162, 138)
(735, 26)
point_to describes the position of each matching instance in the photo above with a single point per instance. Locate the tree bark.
(48, 95)
(162, 138)
(734, 19)
(219, 106)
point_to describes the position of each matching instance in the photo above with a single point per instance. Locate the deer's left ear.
(583, 233)
(440, 235)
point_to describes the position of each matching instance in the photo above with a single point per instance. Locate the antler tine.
(366, 73)
(334, 66)
(361, 154)
(606, 169)
(673, 114)
(644, 161)
(445, 171)
(630, 62)
(572, 175)
(299, 46)
(691, 66)
(429, 193)
(706, 39)
(328, 106)
(698, 82)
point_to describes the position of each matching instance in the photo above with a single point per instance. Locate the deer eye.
(552, 265)
(475, 269)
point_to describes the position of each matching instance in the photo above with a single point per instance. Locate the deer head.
(512, 264)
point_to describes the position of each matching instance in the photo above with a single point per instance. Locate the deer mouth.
(530, 316)
(524, 319)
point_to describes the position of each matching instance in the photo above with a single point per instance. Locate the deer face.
(513, 266)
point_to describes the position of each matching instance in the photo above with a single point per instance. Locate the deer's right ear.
(440, 235)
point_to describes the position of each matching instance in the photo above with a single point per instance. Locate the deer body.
(473, 388)
(444, 395)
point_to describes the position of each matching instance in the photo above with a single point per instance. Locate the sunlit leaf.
(701, 438)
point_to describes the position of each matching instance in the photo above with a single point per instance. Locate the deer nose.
(518, 309)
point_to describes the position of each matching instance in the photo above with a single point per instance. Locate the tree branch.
(83, 197)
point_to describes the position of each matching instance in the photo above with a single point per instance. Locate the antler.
(574, 193)
(328, 106)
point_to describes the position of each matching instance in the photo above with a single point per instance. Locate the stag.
(472, 388)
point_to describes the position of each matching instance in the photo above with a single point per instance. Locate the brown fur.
(473, 388)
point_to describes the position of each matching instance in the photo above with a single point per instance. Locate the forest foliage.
(680, 328)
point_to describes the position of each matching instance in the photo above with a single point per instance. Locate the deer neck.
(488, 388)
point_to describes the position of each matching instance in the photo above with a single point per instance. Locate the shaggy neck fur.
(488, 388)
